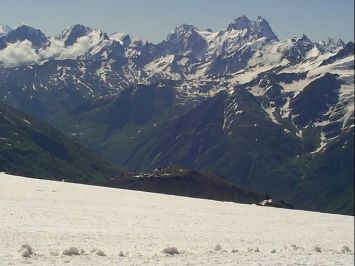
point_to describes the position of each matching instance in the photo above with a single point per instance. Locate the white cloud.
(18, 53)
(21, 53)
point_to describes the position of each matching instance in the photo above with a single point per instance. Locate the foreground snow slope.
(53, 216)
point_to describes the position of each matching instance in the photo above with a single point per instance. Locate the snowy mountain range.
(290, 101)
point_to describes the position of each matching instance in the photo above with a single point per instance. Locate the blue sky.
(153, 19)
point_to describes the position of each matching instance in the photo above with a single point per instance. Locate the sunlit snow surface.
(53, 216)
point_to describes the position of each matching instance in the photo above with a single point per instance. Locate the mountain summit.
(4, 29)
(22, 33)
(185, 40)
(72, 34)
(259, 28)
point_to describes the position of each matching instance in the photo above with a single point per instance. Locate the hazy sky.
(153, 19)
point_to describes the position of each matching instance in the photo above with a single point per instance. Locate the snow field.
(117, 227)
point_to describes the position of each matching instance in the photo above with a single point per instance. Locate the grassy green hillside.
(35, 149)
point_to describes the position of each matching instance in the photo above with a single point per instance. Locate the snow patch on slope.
(270, 112)
(323, 143)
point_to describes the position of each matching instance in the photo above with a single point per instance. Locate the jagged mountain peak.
(77, 28)
(4, 29)
(302, 41)
(258, 27)
(260, 19)
(72, 34)
(239, 23)
(264, 29)
(28, 29)
(185, 26)
(302, 38)
(340, 42)
(331, 41)
(185, 40)
(123, 38)
(25, 32)
(182, 31)
(330, 45)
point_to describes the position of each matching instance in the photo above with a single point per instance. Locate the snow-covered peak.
(239, 23)
(301, 39)
(301, 43)
(89, 44)
(26, 27)
(188, 40)
(330, 45)
(260, 19)
(185, 27)
(331, 41)
(259, 28)
(182, 31)
(340, 42)
(185, 40)
(72, 34)
(80, 41)
(4, 29)
(123, 38)
(263, 29)
(293, 50)
(240, 33)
